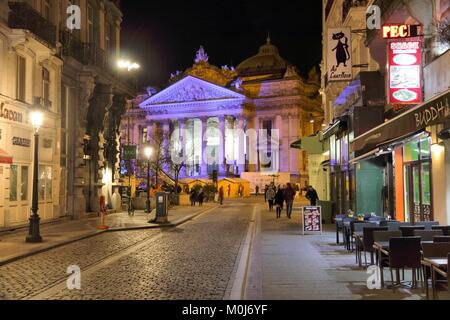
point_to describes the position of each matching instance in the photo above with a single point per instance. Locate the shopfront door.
(418, 192)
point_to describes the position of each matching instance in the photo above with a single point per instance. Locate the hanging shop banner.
(312, 220)
(339, 60)
(405, 84)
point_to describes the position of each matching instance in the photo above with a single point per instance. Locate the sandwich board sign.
(312, 220)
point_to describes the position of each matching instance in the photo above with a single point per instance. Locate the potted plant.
(360, 217)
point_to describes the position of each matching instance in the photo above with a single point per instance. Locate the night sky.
(163, 36)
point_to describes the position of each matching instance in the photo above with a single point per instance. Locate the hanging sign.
(405, 84)
(312, 220)
(395, 31)
(339, 60)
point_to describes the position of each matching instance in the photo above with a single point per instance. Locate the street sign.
(129, 152)
(312, 220)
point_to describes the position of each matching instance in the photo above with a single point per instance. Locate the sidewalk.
(13, 246)
(285, 265)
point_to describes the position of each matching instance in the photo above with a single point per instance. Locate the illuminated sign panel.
(400, 31)
(405, 84)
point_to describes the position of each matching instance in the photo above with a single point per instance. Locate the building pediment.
(191, 89)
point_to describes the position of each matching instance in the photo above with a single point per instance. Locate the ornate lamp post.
(148, 153)
(36, 117)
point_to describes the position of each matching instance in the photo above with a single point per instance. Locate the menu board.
(312, 220)
(405, 84)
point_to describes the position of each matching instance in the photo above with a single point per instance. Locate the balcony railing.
(23, 16)
(85, 53)
(348, 4)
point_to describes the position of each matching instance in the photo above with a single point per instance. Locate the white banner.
(339, 59)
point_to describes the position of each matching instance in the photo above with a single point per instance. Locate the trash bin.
(162, 207)
(326, 211)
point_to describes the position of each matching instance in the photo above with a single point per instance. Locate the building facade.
(70, 74)
(236, 121)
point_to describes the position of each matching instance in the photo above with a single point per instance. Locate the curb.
(93, 234)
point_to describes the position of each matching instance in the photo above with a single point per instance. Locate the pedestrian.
(257, 190)
(312, 196)
(193, 197)
(266, 187)
(201, 197)
(221, 195)
(229, 190)
(289, 195)
(279, 199)
(270, 197)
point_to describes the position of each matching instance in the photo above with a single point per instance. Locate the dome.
(267, 61)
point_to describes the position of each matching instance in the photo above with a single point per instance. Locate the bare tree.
(177, 160)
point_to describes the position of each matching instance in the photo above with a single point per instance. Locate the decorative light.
(148, 151)
(311, 119)
(37, 118)
(127, 64)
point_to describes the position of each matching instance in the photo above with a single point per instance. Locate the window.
(18, 173)
(46, 9)
(64, 103)
(90, 24)
(144, 135)
(45, 183)
(20, 77)
(107, 37)
(45, 84)
(13, 183)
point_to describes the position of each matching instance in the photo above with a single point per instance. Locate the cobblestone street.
(193, 261)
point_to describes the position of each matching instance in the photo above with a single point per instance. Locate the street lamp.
(126, 64)
(37, 117)
(148, 151)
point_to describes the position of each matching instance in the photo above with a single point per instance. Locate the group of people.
(197, 196)
(278, 196)
(286, 194)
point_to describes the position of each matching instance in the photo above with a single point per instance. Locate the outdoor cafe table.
(434, 264)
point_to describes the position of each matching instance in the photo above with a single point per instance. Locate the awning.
(418, 118)
(334, 128)
(368, 155)
(5, 158)
(311, 144)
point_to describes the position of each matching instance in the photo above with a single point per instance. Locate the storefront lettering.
(10, 114)
(21, 142)
(431, 114)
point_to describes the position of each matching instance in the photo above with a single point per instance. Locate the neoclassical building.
(233, 120)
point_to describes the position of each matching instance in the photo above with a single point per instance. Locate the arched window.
(46, 86)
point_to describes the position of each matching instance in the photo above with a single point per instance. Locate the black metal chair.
(441, 239)
(434, 250)
(339, 225)
(408, 231)
(445, 229)
(368, 241)
(358, 229)
(427, 224)
(382, 259)
(346, 233)
(427, 235)
(404, 253)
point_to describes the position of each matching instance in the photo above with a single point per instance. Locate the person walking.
(221, 195)
(229, 190)
(193, 197)
(279, 199)
(289, 195)
(257, 190)
(270, 198)
(312, 196)
(201, 197)
(266, 188)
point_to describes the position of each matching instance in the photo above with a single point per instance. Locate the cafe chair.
(408, 231)
(441, 239)
(358, 239)
(382, 258)
(427, 224)
(445, 229)
(404, 253)
(339, 225)
(434, 250)
(427, 235)
(368, 241)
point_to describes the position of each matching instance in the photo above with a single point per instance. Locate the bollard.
(102, 225)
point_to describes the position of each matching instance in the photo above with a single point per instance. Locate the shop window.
(45, 84)
(19, 174)
(411, 151)
(144, 135)
(333, 150)
(24, 183)
(45, 183)
(425, 152)
(13, 183)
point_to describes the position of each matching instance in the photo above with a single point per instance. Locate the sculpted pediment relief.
(191, 89)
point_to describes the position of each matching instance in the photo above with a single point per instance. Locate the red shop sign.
(405, 82)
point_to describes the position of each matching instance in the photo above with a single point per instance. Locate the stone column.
(221, 145)
(277, 138)
(182, 139)
(241, 142)
(203, 158)
(166, 133)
